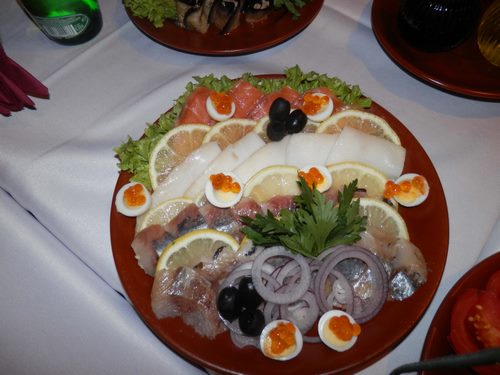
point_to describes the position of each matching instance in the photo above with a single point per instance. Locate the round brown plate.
(436, 343)
(247, 38)
(461, 70)
(428, 228)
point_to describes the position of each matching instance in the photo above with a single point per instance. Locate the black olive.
(251, 322)
(229, 303)
(296, 121)
(279, 110)
(276, 131)
(248, 295)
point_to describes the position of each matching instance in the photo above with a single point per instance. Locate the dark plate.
(461, 70)
(436, 343)
(247, 38)
(428, 228)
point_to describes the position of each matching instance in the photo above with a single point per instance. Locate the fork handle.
(481, 357)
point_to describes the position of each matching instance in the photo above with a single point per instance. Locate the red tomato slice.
(486, 319)
(460, 337)
(493, 284)
(475, 324)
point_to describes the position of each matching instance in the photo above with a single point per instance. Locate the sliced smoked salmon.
(195, 109)
(261, 109)
(244, 96)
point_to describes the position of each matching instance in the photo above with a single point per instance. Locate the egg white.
(212, 111)
(329, 338)
(287, 355)
(327, 182)
(122, 208)
(324, 113)
(223, 199)
(418, 200)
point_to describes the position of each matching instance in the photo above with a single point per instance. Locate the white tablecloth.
(57, 163)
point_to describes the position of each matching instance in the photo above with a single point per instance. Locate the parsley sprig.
(315, 225)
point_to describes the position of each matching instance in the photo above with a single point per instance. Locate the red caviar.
(221, 102)
(134, 196)
(342, 327)
(392, 189)
(313, 103)
(225, 183)
(313, 177)
(282, 337)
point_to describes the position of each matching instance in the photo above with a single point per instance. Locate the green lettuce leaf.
(155, 11)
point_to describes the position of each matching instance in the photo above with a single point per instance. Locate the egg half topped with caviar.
(317, 175)
(338, 330)
(408, 190)
(133, 199)
(223, 190)
(317, 107)
(220, 106)
(281, 340)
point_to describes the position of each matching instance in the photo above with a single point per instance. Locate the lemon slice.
(162, 214)
(369, 178)
(173, 148)
(382, 216)
(364, 121)
(229, 131)
(261, 128)
(272, 181)
(195, 247)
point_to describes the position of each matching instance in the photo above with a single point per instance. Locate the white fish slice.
(309, 149)
(355, 145)
(184, 174)
(230, 158)
(271, 154)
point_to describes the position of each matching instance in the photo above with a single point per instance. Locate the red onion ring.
(348, 297)
(325, 271)
(231, 280)
(286, 270)
(271, 312)
(310, 312)
(270, 294)
(376, 301)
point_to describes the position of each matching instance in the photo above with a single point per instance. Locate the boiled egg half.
(220, 106)
(408, 190)
(281, 340)
(223, 190)
(133, 199)
(317, 107)
(338, 330)
(317, 175)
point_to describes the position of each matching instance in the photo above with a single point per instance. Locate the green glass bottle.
(66, 22)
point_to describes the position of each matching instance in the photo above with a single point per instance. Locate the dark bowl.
(437, 25)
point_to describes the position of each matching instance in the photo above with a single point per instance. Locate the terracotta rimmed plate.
(428, 229)
(436, 343)
(247, 38)
(461, 70)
